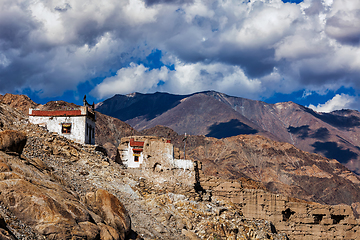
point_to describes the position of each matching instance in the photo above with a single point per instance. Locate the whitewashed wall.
(184, 164)
(53, 124)
(128, 158)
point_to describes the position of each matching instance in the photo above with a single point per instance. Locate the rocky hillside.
(54, 188)
(333, 135)
(20, 102)
(109, 130)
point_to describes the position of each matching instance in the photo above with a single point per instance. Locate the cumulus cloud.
(245, 48)
(343, 22)
(338, 102)
(184, 79)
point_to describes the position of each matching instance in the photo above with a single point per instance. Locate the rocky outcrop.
(35, 196)
(111, 210)
(52, 210)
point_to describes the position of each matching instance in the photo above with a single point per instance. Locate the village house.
(76, 124)
(156, 158)
(139, 152)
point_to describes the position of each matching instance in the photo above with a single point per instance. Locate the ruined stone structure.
(298, 219)
(76, 124)
(157, 159)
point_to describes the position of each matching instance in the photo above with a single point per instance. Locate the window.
(66, 128)
(136, 158)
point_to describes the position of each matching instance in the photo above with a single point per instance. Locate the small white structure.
(76, 124)
(151, 152)
(157, 159)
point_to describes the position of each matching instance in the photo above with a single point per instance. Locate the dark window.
(136, 158)
(66, 128)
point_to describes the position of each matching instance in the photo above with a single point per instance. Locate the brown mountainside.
(333, 135)
(279, 166)
(20, 102)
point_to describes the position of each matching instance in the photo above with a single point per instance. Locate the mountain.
(333, 135)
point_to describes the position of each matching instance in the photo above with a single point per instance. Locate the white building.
(157, 160)
(151, 152)
(76, 124)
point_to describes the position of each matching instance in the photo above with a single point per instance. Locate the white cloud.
(131, 79)
(338, 102)
(245, 48)
(184, 79)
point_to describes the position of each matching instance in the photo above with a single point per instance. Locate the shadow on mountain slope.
(228, 129)
(336, 120)
(304, 132)
(332, 150)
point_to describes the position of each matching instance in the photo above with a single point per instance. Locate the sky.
(305, 51)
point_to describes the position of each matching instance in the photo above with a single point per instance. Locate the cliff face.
(333, 135)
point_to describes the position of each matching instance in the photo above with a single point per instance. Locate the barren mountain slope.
(281, 167)
(59, 189)
(20, 102)
(333, 135)
(138, 107)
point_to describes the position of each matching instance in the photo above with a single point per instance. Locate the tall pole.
(184, 140)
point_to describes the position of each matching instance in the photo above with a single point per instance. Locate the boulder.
(109, 208)
(12, 141)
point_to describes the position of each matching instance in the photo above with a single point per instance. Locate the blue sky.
(271, 50)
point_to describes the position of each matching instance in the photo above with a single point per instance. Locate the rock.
(190, 235)
(4, 235)
(108, 233)
(111, 210)
(12, 141)
(89, 230)
(4, 167)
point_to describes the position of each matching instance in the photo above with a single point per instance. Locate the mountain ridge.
(214, 114)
